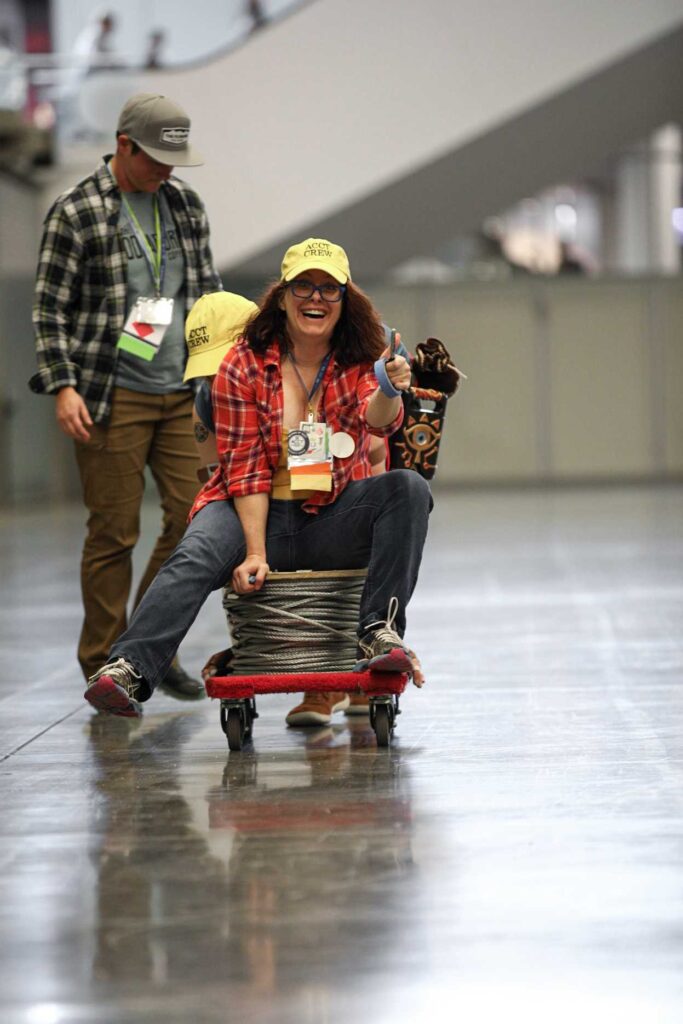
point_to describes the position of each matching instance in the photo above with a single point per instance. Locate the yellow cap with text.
(316, 254)
(214, 323)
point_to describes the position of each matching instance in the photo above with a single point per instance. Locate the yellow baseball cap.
(316, 254)
(214, 323)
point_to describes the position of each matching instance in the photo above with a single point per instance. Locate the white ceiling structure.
(391, 127)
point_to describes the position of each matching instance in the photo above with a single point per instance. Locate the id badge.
(157, 311)
(308, 445)
(140, 337)
(308, 457)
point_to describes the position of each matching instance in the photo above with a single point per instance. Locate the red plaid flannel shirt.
(247, 406)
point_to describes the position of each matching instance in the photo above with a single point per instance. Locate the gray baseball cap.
(161, 129)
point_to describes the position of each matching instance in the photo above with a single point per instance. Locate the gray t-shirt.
(164, 373)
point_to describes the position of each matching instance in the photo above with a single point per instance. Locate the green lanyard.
(155, 260)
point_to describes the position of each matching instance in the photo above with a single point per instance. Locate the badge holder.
(309, 458)
(146, 326)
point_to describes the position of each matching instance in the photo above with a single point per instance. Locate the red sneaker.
(115, 689)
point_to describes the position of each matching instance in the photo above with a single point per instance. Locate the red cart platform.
(237, 695)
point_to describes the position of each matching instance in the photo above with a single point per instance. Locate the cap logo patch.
(175, 136)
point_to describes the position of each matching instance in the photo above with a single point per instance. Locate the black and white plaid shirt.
(80, 298)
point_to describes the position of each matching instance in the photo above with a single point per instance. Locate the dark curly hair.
(358, 334)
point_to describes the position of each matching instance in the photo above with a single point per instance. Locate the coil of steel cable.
(298, 622)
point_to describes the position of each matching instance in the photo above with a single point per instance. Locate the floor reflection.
(315, 840)
(158, 886)
(304, 856)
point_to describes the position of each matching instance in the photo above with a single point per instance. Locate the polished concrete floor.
(517, 855)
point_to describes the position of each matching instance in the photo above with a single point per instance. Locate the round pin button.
(297, 442)
(342, 445)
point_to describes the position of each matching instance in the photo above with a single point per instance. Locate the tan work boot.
(317, 708)
(359, 704)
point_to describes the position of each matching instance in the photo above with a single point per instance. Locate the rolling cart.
(285, 639)
(237, 695)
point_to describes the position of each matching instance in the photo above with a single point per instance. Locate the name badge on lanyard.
(145, 326)
(149, 319)
(309, 458)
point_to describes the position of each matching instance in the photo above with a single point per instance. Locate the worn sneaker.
(317, 708)
(181, 685)
(359, 704)
(381, 648)
(115, 689)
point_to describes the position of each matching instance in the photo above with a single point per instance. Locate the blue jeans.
(379, 523)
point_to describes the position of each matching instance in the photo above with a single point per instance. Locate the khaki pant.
(154, 430)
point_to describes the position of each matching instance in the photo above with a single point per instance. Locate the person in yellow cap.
(308, 376)
(214, 324)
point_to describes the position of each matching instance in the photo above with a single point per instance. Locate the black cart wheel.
(250, 713)
(235, 728)
(383, 724)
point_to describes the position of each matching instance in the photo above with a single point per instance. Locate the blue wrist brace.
(386, 387)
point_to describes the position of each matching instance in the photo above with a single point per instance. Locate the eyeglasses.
(328, 292)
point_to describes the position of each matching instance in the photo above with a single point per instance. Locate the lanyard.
(156, 259)
(316, 383)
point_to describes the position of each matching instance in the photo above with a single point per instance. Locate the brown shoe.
(317, 708)
(179, 684)
(359, 704)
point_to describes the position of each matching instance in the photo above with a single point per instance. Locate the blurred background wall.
(504, 177)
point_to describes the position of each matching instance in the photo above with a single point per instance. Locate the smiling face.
(137, 172)
(314, 319)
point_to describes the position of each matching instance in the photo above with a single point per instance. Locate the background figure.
(569, 263)
(20, 142)
(155, 44)
(12, 76)
(114, 362)
(257, 14)
(93, 48)
(92, 52)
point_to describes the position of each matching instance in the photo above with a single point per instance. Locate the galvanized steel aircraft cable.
(305, 624)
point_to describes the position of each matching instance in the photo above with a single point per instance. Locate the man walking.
(125, 254)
